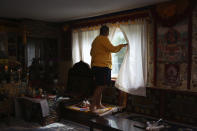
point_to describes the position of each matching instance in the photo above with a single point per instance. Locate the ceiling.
(66, 10)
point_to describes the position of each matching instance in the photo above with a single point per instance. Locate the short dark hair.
(104, 30)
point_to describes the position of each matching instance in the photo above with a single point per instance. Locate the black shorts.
(102, 75)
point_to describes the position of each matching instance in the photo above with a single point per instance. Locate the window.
(42, 48)
(132, 78)
(117, 58)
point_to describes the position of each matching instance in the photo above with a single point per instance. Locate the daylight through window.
(117, 58)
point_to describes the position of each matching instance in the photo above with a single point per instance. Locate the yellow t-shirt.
(101, 52)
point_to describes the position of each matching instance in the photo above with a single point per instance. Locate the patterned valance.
(113, 18)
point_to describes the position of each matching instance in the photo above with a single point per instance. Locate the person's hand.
(125, 45)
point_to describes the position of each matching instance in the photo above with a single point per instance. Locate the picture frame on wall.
(172, 75)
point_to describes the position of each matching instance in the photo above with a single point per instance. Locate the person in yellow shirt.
(101, 64)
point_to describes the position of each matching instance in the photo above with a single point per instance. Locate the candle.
(6, 68)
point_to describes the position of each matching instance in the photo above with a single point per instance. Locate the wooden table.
(112, 123)
(5, 108)
(31, 109)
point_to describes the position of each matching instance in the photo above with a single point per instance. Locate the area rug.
(78, 107)
(60, 126)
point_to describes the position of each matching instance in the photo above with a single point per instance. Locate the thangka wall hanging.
(173, 43)
(172, 54)
(172, 75)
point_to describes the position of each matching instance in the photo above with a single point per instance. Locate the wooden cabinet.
(5, 109)
(12, 45)
(8, 45)
(3, 46)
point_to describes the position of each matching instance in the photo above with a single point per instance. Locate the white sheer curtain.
(112, 30)
(132, 76)
(82, 41)
(81, 45)
(31, 49)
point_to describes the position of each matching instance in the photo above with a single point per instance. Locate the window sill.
(113, 79)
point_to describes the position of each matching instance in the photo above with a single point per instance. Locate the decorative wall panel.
(172, 55)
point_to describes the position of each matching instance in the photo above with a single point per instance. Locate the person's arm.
(108, 45)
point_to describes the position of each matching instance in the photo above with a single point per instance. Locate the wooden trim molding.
(189, 50)
(155, 53)
(123, 99)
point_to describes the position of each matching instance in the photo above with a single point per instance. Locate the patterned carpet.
(20, 125)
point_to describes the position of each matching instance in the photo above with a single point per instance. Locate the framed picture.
(172, 75)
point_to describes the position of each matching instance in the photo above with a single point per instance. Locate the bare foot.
(93, 108)
(101, 106)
